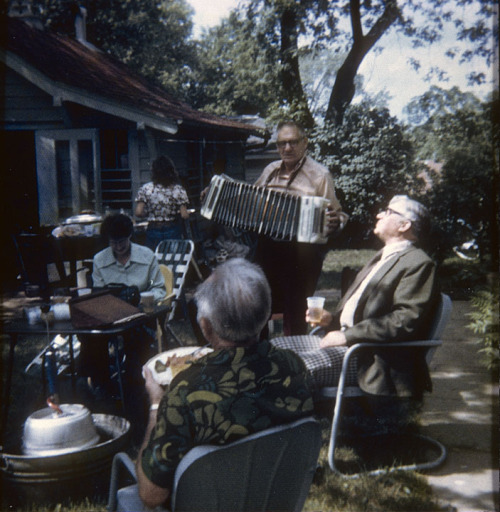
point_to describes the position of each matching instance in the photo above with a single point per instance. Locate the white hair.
(236, 299)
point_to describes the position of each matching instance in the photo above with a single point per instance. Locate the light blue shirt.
(141, 270)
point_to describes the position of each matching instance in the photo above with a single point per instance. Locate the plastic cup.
(315, 307)
(148, 302)
(33, 314)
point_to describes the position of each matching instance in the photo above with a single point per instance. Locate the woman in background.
(162, 201)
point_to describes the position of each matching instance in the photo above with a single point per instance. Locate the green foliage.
(485, 322)
(250, 63)
(460, 132)
(151, 37)
(236, 73)
(433, 105)
(318, 25)
(458, 276)
(395, 492)
(371, 159)
(334, 263)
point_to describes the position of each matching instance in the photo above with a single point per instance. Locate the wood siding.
(27, 107)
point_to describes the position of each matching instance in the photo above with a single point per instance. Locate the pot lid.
(84, 218)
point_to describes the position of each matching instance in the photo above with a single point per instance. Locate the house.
(79, 130)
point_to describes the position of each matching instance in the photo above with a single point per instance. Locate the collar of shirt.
(292, 174)
(136, 256)
(395, 247)
(234, 355)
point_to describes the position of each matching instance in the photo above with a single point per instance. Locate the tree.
(151, 37)
(460, 131)
(290, 27)
(234, 75)
(371, 159)
(437, 102)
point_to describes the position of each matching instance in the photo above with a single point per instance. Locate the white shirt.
(347, 315)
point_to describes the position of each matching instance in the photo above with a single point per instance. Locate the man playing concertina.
(292, 267)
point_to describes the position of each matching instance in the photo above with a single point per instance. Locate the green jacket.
(398, 305)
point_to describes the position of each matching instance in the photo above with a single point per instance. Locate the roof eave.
(62, 92)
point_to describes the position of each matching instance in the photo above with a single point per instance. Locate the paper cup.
(315, 307)
(148, 302)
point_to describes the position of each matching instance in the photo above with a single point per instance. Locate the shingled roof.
(69, 70)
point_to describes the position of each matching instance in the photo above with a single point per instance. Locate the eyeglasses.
(293, 143)
(390, 211)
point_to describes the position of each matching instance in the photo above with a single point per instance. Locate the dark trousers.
(136, 348)
(154, 235)
(293, 270)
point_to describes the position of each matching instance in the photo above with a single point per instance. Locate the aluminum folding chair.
(176, 255)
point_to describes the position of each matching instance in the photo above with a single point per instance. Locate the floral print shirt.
(222, 397)
(162, 204)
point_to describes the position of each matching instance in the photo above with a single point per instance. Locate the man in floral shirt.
(242, 387)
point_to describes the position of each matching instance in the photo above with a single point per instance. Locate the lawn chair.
(271, 470)
(177, 256)
(343, 391)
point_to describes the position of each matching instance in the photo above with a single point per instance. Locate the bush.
(371, 159)
(485, 322)
(460, 278)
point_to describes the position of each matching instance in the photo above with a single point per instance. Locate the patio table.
(20, 326)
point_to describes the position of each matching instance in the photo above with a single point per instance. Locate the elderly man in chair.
(243, 386)
(393, 298)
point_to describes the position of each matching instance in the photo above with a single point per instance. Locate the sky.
(209, 13)
(388, 69)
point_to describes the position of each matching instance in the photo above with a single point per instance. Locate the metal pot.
(68, 476)
(47, 432)
(84, 218)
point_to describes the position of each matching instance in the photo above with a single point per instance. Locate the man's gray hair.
(236, 299)
(414, 211)
(291, 123)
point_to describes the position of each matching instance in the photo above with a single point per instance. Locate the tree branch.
(357, 29)
(344, 88)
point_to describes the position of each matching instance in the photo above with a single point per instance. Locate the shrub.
(485, 322)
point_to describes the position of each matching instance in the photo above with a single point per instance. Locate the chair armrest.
(394, 345)
(332, 391)
(318, 331)
(168, 299)
(120, 460)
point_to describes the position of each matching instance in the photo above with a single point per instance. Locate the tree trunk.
(344, 88)
(290, 73)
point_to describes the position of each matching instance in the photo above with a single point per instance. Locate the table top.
(65, 327)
